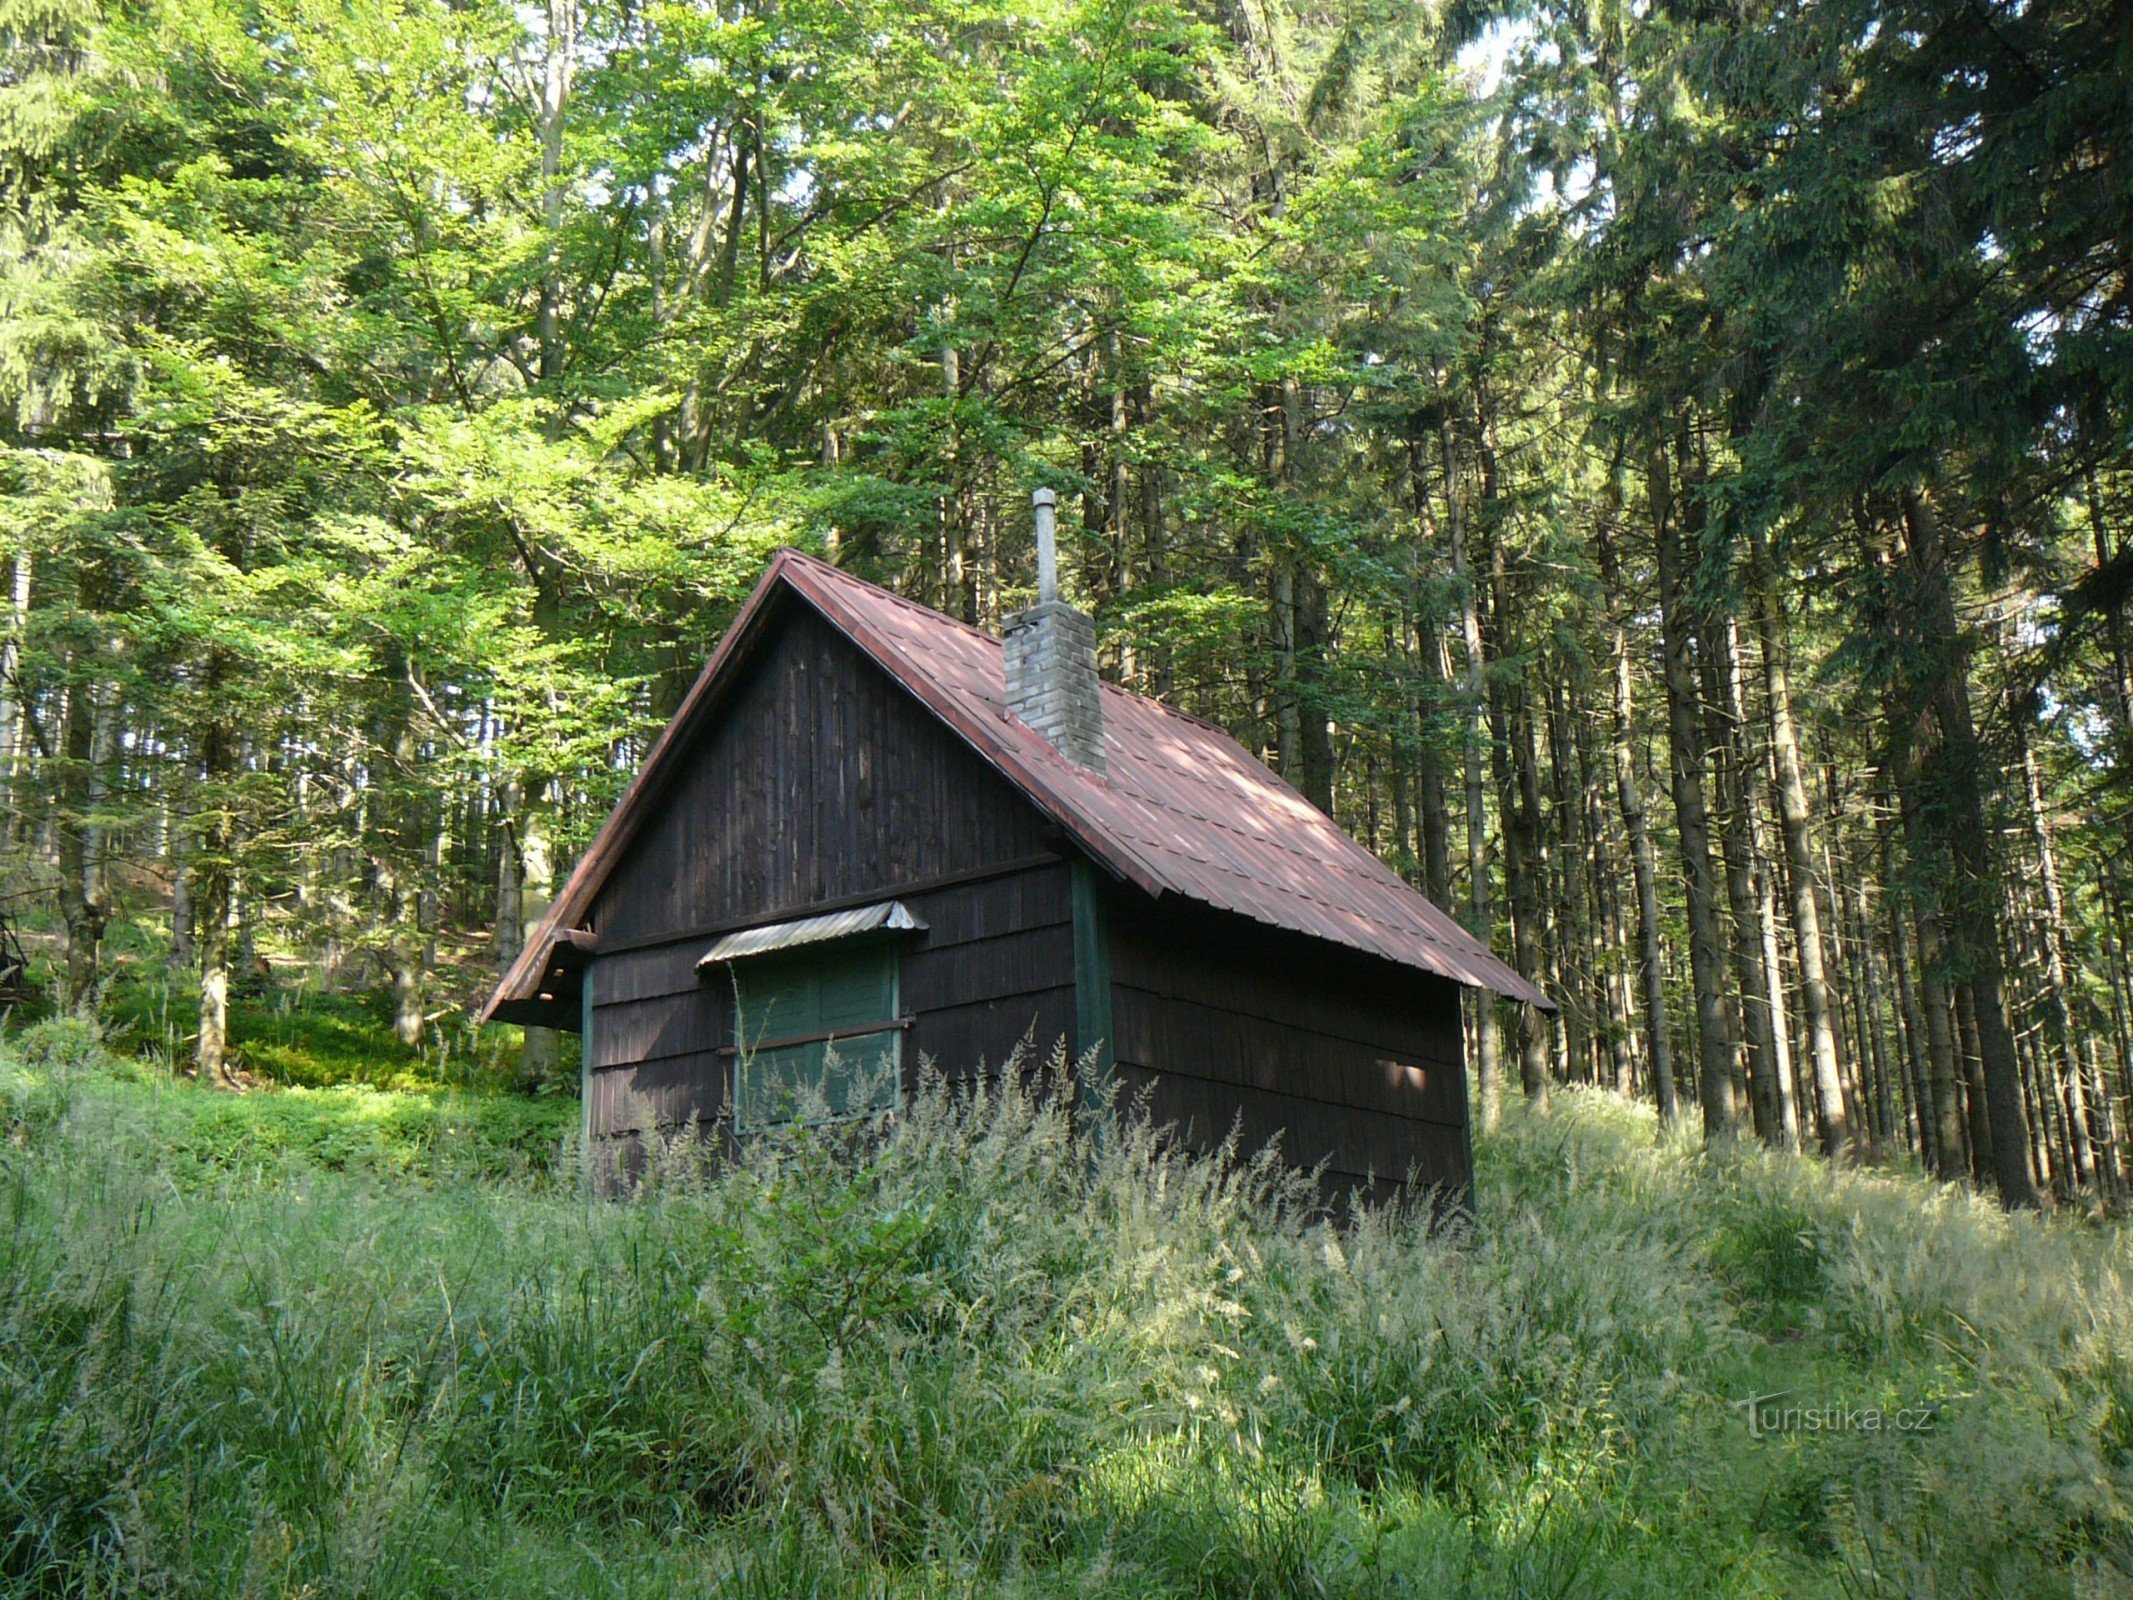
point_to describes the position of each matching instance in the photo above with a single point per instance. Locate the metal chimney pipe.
(1044, 502)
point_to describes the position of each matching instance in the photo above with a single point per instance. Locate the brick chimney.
(1051, 658)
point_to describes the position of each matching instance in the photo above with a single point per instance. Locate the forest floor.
(340, 1338)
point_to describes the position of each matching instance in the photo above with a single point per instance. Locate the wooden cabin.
(873, 835)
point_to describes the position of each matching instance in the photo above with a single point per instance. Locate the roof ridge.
(980, 634)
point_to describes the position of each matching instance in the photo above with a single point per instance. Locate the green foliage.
(298, 1037)
(967, 1355)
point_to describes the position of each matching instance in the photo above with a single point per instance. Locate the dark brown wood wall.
(822, 783)
(1352, 1062)
(994, 968)
(820, 778)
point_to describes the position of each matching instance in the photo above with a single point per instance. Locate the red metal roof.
(1183, 808)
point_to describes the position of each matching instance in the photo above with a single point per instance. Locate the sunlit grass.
(363, 1343)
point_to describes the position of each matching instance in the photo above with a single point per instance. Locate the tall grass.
(979, 1354)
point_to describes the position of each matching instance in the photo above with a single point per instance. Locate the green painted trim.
(585, 1058)
(1092, 984)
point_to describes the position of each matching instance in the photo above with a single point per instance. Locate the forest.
(1659, 475)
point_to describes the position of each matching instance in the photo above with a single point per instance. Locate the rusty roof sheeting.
(1183, 809)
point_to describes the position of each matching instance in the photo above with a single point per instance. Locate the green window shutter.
(842, 1060)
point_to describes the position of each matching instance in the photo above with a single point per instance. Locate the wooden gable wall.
(821, 782)
(820, 778)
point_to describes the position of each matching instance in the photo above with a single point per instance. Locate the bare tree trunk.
(510, 889)
(1320, 769)
(2058, 988)
(1982, 1153)
(1944, 1053)
(182, 952)
(12, 713)
(1429, 771)
(1974, 925)
(542, 1050)
(1518, 806)
(1714, 1045)
(1488, 1049)
(558, 67)
(81, 903)
(1512, 752)
(215, 834)
(1644, 867)
(1288, 713)
(1795, 819)
(1738, 843)
(959, 574)
(1867, 990)
(1613, 1057)
(1573, 941)
(1422, 635)
(397, 853)
(1911, 1028)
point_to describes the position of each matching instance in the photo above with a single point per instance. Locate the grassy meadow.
(356, 1340)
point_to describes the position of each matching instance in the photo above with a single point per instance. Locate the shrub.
(61, 1044)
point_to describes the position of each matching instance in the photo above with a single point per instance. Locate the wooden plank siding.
(822, 783)
(994, 967)
(1350, 1062)
(821, 779)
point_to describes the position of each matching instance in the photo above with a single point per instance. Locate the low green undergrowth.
(240, 1354)
(285, 1028)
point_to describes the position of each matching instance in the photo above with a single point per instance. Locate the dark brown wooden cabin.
(873, 830)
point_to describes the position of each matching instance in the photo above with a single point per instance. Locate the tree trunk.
(1982, 1167)
(510, 883)
(81, 901)
(1867, 1009)
(182, 951)
(1714, 1046)
(1430, 785)
(1320, 770)
(12, 713)
(959, 575)
(1644, 867)
(1573, 941)
(1911, 1028)
(1518, 806)
(1794, 818)
(1974, 922)
(2058, 988)
(539, 1056)
(1488, 1043)
(399, 837)
(215, 836)
(558, 68)
(1739, 840)
(1423, 635)
(1511, 750)
(1946, 1079)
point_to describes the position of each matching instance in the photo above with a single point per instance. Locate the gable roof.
(1183, 809)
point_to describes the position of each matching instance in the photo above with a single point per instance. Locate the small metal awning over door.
(890, 916)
